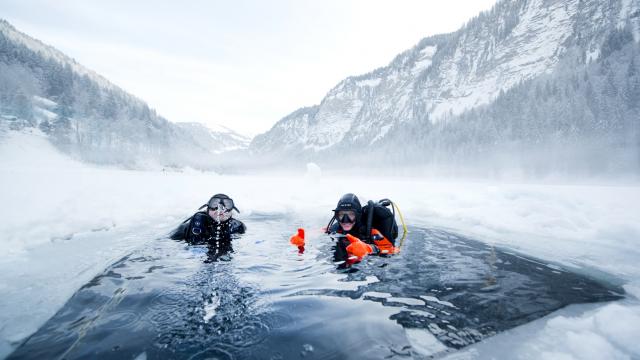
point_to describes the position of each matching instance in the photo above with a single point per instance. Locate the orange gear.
(298, 239)
(384, 245)
(358, 247)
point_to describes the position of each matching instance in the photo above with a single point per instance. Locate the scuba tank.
(379, 217)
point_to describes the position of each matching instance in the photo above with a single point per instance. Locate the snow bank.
(577, 332)
(49, 197)
(581, 226)
(64, 221)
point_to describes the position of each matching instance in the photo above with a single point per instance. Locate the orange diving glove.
(298, 240)
(358, 247)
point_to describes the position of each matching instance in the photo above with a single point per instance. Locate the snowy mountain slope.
(50, 52)
(88, 117)
(224, 138)
(483, 65)
(448, 75)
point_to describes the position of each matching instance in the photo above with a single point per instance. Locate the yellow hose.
(404, 226)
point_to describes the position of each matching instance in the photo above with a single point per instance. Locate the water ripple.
(268, 301)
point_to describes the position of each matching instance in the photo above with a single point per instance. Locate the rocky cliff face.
(446, 76)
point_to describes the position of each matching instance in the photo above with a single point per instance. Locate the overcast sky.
(243, 64)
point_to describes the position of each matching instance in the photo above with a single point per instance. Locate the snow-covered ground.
(63, 222)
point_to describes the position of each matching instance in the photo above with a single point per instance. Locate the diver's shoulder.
(237, 226)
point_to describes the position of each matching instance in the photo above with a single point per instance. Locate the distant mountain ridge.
(222, 137)
(88, 117)
(420, 108)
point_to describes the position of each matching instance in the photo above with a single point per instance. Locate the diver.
(359, 231)
(214, 227)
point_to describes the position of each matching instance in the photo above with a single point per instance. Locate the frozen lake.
(64, 223)
(441, 293)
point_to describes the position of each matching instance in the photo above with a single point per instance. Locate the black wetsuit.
(201, 229)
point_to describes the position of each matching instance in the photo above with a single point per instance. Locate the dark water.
(265, 301)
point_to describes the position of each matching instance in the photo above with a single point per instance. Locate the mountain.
(526, 81)
(90, 118)
(220, 139)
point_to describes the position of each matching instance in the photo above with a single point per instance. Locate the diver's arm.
(237, 227)
(180, 233)
(198, 230)
(358, 248)
(382, 243)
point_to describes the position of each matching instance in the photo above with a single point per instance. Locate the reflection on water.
(462, 290)
(266, 301)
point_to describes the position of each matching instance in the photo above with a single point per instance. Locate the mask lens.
(223, 204)
(228, 203)
(346, 216)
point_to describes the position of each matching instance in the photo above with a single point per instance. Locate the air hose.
(404, 225)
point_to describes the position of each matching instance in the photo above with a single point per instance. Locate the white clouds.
(244, 65)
